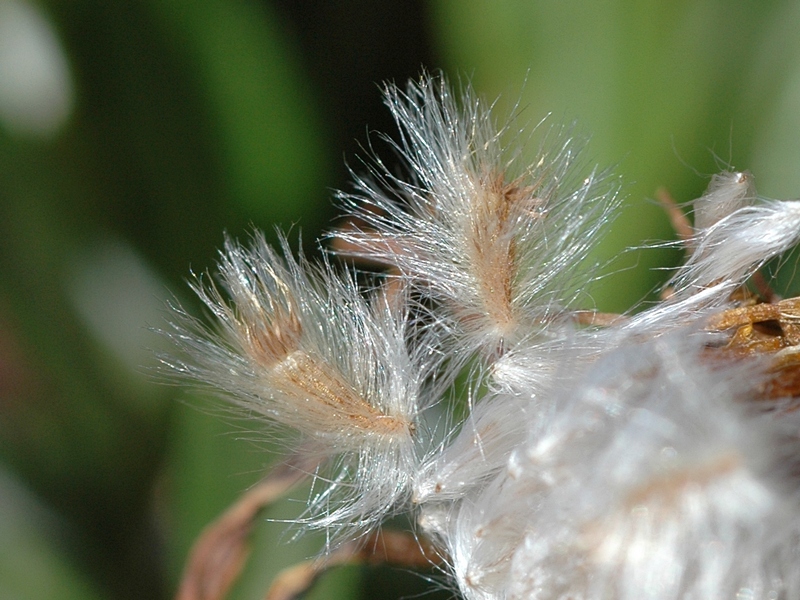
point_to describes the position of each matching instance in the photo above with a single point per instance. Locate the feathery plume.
(498, 243)
(727, 192)
(299, 347)
(628, 457)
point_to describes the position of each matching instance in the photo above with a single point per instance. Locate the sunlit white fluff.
(299, 347)
(498, 241)
(727, 192)
(652, 481)
(488, 436)
(735, 246)
(521, 388)
(517, 398)
(735, 235)
(661, 483)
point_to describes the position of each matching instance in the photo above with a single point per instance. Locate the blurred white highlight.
(119, 298)
(36, 90)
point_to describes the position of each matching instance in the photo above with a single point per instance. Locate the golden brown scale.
(767, 329)
(786, 313)
(266, 329)
(324, 402)
(327, 395)
(269, 339)
(493, 250)
(496, 208)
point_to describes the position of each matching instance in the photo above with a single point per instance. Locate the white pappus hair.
(299, 347)
(653, 479)
(497, 241)
(632, 458)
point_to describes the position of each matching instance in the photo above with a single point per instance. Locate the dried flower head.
(653, 455)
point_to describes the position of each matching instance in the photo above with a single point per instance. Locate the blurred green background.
(132, 134)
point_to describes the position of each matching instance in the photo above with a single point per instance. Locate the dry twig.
(219, 554)
(381, 547)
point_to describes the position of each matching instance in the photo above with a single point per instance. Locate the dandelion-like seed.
(279, 352)
(652, 456)
(496, 241)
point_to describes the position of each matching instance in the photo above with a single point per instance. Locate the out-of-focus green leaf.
(34, 559)
(776, 152)
(269, 132)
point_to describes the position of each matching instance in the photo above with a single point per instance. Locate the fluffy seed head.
(597, 459)
(278, 351)
(653, 479)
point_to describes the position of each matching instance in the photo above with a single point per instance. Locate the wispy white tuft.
(730, 250)
(734, 237)
(499, 242)
(653, 480)
(482, 447)
(299, 347)
(727, 192)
